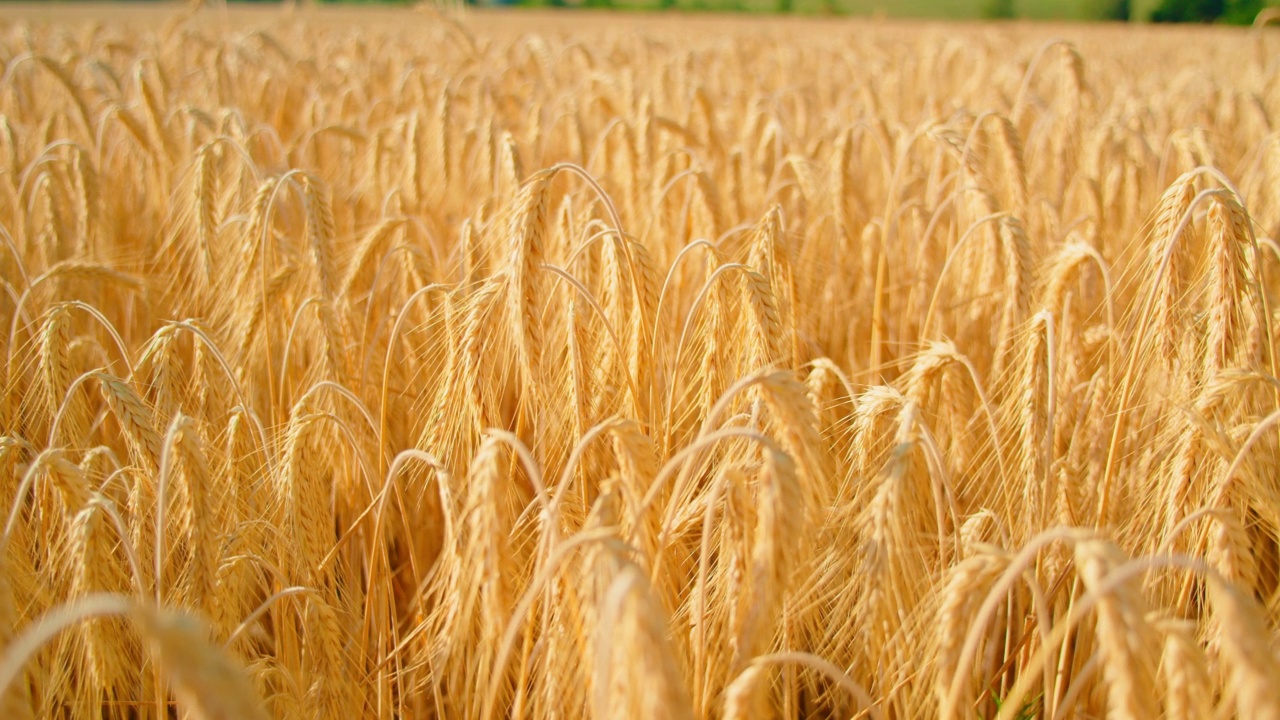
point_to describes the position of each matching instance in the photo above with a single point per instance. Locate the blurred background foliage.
(1238, 12)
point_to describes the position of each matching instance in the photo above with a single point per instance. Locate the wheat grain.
(827, 336)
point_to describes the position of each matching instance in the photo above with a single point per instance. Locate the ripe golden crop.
(417, 365)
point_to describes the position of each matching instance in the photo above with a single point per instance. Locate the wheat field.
(362, 364)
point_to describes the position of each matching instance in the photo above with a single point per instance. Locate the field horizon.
(153, 12)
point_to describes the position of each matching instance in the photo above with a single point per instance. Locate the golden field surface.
(409, 364)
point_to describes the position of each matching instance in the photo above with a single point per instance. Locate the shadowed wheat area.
(529, 366)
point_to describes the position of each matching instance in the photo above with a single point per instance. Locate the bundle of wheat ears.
(454, 368)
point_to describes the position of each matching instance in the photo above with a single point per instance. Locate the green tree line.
(1240, 12)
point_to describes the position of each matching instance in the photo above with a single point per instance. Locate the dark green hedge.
(1240, 12)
